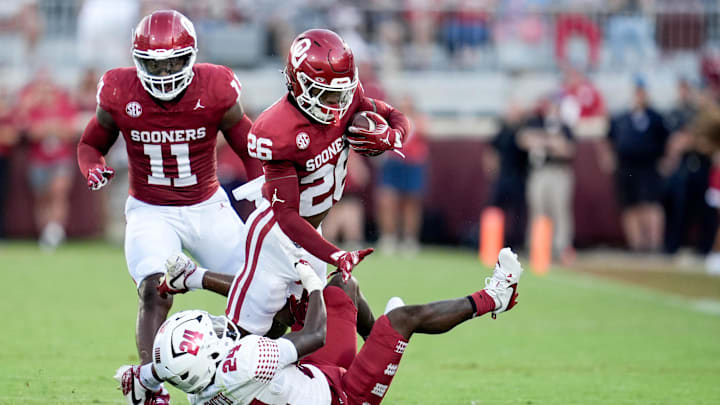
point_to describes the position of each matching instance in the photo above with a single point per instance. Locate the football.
(361, 120)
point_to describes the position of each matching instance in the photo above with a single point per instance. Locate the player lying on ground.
(205, 356)
(183, 275)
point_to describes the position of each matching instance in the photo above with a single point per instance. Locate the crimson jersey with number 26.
(318, 152)
(170, 145)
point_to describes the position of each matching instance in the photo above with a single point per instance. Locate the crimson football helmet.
(164, 51)
(321, 75)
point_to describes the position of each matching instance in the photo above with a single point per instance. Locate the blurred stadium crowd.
(601, 115)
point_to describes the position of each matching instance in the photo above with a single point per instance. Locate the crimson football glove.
(298, 307)
(346, 261)
(99, 176)
(374, 141)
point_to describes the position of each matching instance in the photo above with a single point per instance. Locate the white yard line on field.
(589, 281)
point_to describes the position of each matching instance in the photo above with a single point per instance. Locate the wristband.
(194, 280)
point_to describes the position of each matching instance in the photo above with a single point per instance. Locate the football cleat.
(178, 268)
(135, 392)
(502, 286)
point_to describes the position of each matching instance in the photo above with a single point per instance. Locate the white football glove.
(178, 268)
(309, 279)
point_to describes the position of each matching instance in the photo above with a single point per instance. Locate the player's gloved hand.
(346, 261)
(298, 307)
(99, 176)
(374, 141)
(309, 279)
(178, 268)
(134, 391)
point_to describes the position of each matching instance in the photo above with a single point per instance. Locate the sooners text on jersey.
(170, 145)
(318, 152)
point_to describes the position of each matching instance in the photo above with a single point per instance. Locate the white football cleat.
(394, 302)
(135, 392)
(502, 286)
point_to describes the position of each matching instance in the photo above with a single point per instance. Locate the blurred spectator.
(631, 33)
(390, 42)
(550, 145)
(8, 138)
(402, 184)
(104, 29)
(637, 138)
(581, 99)
(507, 164)
(370, 81)
(712, 260)
(520, 34)
(20, 31)
(47, 118)
(710, 70)
(345, 223)
(421, 16)
(84, 95)
(688, 161)
(347, 21)
(466, 29)
(706, 131)
(571, 27)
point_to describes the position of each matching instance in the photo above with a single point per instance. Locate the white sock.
(393, 303)
(148, 379)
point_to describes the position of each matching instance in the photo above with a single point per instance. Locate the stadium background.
(577, 338)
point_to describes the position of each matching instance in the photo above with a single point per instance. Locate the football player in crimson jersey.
(303, 141)
(227, 367)
(169, 111)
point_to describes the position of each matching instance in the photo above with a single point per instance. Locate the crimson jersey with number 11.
(170, 145)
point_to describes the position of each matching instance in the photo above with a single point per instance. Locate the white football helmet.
(189, 346)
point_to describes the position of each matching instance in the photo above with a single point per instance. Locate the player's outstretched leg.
(152, 312)
(499, 295)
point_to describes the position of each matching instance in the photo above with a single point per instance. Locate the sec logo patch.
(302, 140)
(133, 109)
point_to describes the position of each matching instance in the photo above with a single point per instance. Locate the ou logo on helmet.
(298, 52)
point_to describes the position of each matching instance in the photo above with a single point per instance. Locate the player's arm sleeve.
(288, 352)
(94, 144)
(236, 137)
(396, 119)
(281, 182)
(259, 358)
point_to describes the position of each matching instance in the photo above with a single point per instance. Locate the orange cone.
(541, 245)
(492, 230)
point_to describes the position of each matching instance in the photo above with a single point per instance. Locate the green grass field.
(574, 339)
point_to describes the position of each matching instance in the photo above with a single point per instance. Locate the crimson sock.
(481, 302)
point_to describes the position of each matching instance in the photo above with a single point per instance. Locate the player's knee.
(405, 319)
(148, 294)
(351, 287)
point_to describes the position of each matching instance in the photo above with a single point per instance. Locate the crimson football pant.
(341, 341)
(370, 372)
